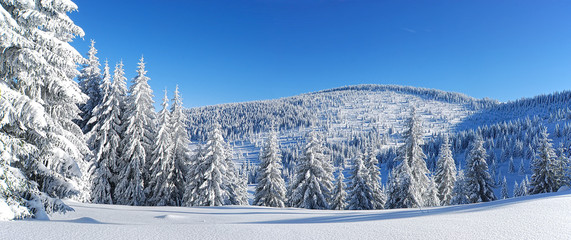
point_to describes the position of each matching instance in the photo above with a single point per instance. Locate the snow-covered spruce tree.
(517, 190)
(521, 170)
(445, 173)
(270, 190)
(213, 179)
(180, 145)
(494, 168)
(339, 201)
(360, 194)
(90, 84)
(563, 164)
(120, 97)
(548, 176)
(205, 185)
(459, 194)
(504, 190)
(160, 190)
(138, 135)
(37, 67)
(371, 164)
(511, 166)
(419, 186)
(524, 186)
(479, 184)
(104, 139)
(400, 190)
(237, 185)
(312, 183)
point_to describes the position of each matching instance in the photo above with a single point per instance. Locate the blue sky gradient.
(234, 51)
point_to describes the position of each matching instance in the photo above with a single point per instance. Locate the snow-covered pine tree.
(521, 170)
(511, 166)
(39, 101)
(479, 184)
(90, 84)
(313, 179)
(160, 190)
(270, 190)
(419, 186)
(563, 164)
(547, 173)
(206, 186)
(360, 194)
(517, 190)
(372, 165)
(445, 173)
(400, 190)
(236, 185)
(524, 186)
(120, 97)
(504, 190)
(138, 135)
(459, 194)
(494, 169)
(339, 201)
(104, 139)
(180, 144)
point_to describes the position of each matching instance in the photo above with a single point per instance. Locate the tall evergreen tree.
(161, 188)
(521, 170)
(517, 190)
(504, 190)
(180, 144)
(119, 87)
(104, 139)
(459, 192)
(374, 179)
(479, 184)
(270, 190)
(416, 184)
(511, 166)
(235, 184)
(137, 139)
(548, 176)
(524, 186)
(360, 193)
(90, 84)
(207, 184)
(339, 201)
(40, 101)
(313, 179)
(445, 173)
(400, 191)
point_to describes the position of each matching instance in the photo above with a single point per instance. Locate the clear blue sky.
(233, 51)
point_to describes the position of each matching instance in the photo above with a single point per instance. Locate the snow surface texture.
(543, 216)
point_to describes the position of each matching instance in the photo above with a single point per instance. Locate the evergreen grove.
(98, 141)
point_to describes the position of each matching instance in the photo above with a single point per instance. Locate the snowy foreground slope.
(543, 216)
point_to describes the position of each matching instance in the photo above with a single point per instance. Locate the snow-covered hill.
(542, 216)
(341, 111)
(353, 117)
(362, 107)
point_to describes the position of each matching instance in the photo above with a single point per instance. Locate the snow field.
(543, 216)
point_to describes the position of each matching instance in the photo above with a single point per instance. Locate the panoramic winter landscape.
(301, 120)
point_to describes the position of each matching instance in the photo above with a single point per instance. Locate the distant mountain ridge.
(241, 120)
(430, 93)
